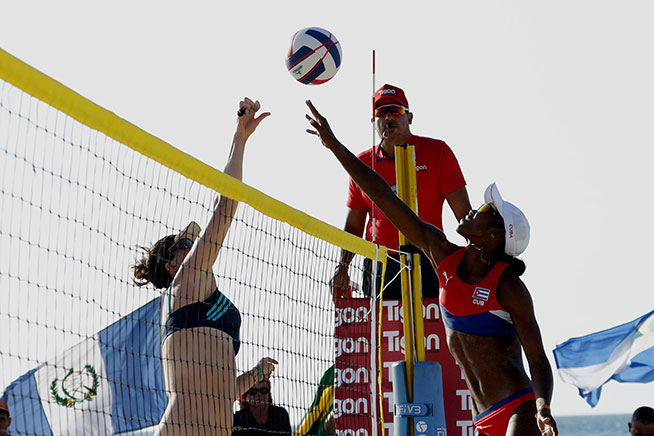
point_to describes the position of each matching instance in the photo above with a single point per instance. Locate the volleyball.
(314, 57)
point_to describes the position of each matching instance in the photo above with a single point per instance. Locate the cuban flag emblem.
(481, 294)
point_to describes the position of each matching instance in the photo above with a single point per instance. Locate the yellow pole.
(419, 326)
(414, 332)
(409, 176)
(409, 339)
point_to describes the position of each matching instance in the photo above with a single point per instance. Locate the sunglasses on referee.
(392, 110)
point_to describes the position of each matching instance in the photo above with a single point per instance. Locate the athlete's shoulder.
(510, 287)
(451, 255)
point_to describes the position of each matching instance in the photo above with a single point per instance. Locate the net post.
(373, 345)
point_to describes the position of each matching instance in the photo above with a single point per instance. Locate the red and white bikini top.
(472, 309)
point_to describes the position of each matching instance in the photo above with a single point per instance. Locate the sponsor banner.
(352, 376)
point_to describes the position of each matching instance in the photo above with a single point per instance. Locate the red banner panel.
(352, 376)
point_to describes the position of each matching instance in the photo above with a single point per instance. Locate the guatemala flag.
(111, 383)
(624, 353)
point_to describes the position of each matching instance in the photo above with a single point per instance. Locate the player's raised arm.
(212, 239)
(423, 235)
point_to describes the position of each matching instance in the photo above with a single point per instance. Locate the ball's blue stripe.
(333, 50)
(296, 57)
(324, 39)
(327, 42)
(317, 71)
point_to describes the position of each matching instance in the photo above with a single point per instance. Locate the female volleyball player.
(201, 336)
(487, 310)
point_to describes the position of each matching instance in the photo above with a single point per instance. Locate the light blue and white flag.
(624, 353)
(108, 384)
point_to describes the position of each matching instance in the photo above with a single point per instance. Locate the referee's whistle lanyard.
(380, 156)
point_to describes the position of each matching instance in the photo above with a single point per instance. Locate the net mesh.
(76, 207)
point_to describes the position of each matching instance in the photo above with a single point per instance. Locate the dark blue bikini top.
(215, 312)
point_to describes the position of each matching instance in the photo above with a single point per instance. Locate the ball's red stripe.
(312, 52)
(321, 59)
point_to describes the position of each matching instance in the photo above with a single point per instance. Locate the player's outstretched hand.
(247, 122)
(321, 127)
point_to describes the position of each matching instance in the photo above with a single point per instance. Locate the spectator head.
(642, 422)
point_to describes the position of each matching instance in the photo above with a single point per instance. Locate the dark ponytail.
(151, 268)
(516, 265)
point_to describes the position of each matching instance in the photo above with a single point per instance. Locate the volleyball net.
(80, 191)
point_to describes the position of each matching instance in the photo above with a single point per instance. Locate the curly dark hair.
(152, 266)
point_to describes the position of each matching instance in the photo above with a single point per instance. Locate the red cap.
(3, 406)
(389, 94)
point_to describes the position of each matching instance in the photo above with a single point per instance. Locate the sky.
(551, 100)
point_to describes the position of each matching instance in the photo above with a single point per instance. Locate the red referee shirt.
(437, 173)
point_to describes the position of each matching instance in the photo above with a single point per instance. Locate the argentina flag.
(110, 383)
(624, 353)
